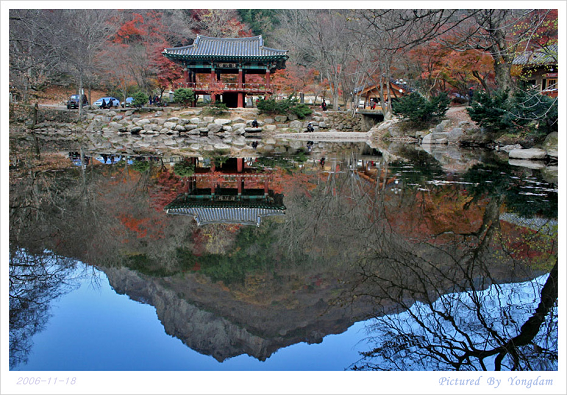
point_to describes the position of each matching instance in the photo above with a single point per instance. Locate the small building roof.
(215, 48)
(543, 56)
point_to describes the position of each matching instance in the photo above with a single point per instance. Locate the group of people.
(155, 100)
(105, 104)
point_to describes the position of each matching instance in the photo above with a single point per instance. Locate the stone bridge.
(370, 117)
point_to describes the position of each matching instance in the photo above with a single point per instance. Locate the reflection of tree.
(35, 281)
(478, 330)
(471, 329)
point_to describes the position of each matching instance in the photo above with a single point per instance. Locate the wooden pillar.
(240, 184)
(266, 187)
(267, 78)
(240, 101)
(186, 76)
(213, 80)
(239, 165)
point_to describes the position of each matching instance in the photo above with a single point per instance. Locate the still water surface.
(346, 260)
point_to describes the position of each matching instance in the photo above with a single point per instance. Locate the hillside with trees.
(333, 53)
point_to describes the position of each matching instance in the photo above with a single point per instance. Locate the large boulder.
(214, 127)
(253, 129)
(528, 153)
(443, 126)
(551, 145)
(454, 135)
(296, 125)
(142, 122)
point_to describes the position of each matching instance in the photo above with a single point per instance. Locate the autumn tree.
(67, 41)
(219, 23)
(134, 53)
(317, 39)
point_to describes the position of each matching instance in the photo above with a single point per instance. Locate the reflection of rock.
(452, 158)
(551, 174)
(526, 163)
(212, 321)
(435, 138)
(529, 153)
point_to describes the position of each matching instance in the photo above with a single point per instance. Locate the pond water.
(345, 259)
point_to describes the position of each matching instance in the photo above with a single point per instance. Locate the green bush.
(491, 111)
(525, 111)
(184, 168)
(139, 99)
(141, 166)
(216, 108)
(284, 107)
(418, 109)
(183, 96)
(534, 112)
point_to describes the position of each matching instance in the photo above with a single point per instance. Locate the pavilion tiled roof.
(230, 215)
(240, 48)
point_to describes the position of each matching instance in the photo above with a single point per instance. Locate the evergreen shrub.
(216, 108)
(418, 109)
(183, 96)
(525, 111)
(139, 99)
(284, 107)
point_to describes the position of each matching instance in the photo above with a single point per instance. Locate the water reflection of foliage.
(253, 251)
(288, 163)
(503, 179)
(421, 167)
(399, 271)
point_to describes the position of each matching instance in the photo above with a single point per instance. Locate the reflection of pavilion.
(230, 194)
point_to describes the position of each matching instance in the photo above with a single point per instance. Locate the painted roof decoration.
(240, 48)
(544, 56)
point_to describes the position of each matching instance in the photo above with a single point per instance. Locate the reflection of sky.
(97, 329)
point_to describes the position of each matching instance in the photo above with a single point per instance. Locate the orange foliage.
(165, 189)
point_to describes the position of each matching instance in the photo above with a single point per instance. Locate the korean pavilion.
(220, 67)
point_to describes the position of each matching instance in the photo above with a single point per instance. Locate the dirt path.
(458, 114)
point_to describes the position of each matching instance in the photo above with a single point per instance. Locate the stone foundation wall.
(345, 122)
(22, 113)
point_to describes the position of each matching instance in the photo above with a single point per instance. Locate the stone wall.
(345, 122)
(22, 113)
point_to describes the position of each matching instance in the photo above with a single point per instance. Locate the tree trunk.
(502, 75)
(80, 95)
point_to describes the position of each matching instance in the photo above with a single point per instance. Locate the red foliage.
(165, 189)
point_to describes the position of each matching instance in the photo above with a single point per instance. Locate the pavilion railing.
(228, 87)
